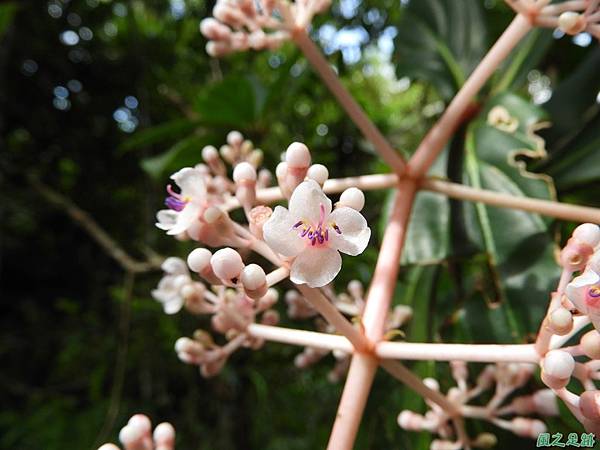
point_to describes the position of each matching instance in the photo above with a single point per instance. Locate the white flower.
(186, 207)
(584, 293)
(169, 288)
(313, 234)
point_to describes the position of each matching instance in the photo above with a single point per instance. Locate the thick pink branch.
(358, 116)
(440, 133)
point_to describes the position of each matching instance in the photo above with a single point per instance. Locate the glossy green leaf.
(440, 42)
(7, 13)
(183, 154)
(157, 134)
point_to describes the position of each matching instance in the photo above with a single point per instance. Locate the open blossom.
(584, 293)
(185, 207)
(314, 235)
(169, 290)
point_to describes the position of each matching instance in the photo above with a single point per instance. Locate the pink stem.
(436, 138)
(545, 207)
(358, 116)
(300, 337)
(363, 366)
(277, 275)
(457, 352)
(333, 316)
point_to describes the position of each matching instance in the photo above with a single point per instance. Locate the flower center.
(175, 201)
(316, 234)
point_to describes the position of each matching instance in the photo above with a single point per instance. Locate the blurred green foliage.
(83, 347)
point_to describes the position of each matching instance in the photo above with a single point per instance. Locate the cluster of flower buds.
(239, 25)
(504, 378)
(350, 303)
(571, 17)
(138, 435)
(220, 283)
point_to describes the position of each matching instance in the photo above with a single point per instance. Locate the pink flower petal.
(191, 182)
(316, 266)
(306, 200)
(355, 232)
(280, 235)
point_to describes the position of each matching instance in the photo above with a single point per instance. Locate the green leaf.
(159, 133)
(184, 153)
(7, 13)
(232, 102)
(440, 42)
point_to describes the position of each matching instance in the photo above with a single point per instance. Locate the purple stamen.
(337, 229)
(297, 224)
(304, 232)
(594, 292)
(174, 203)
(313, 240)
(326, 234)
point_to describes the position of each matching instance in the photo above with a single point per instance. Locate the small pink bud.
(244, 172)
(319, 173)
(557, 368)
(297, 156)
(229, 154)
(235, 138)
(257, 218)
(588, 233)
(227, 264)
(269, 299)
(164, 436)
(254, 280)
(212, 214)
(485, 440)
(410, 421)
(264, 178)
(590, 344)
(575, 254)
(270, 317)
(487, 377)
(530, 428)
(431, 383)
(353, 198)
(459, 370)
(199, 259)
(571, 22)
(109, 447)
(280, 171)
(355, 289)
(255, 157)
(589, 404)
(560, 321)
(210, 155)
(545, 403)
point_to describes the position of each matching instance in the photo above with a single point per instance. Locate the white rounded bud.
(227, 264)
(198, 259)
(590, 344)
(589, 404)
(353, 198)
(559, 364)
(164, 434)
(210, 153)
(264, 177)
(560, 321)
(109, 447)
(530, 428)
(571, 22)
(297, 155)
(253, 277)
(244, 172)
(411, 421)
(281, 170)
(587, 233)
(355, 288)
(130, 434)
(318, 172)
(545, 402)
(182, 345)
(235, 138)
(431, 383)
(212, 214)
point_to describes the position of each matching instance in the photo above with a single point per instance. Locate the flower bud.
(319, 173)
(355, 289)
(235, 138)
(590, 344)
(244, 172)
(439, 444)
(297, 156)
(198, 259)
(589, 404)
(485, 440)
(530, 428)
(487, 377)
(560, 321)
(545, 403)
(280, 171)
(588, 233)
(431, 383)
(254, 280)
(244, 176)
(268, 300)
(270, 317)
(410, 421)
(164, 436)
(257, 217)
(109, 447)
(210, 155)
(227, 264)
(255, 157)
(264, 178)
(352, 198)
(459, 370)
(575, 254)
(571, 22)
(557, 368)
(229, 153)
